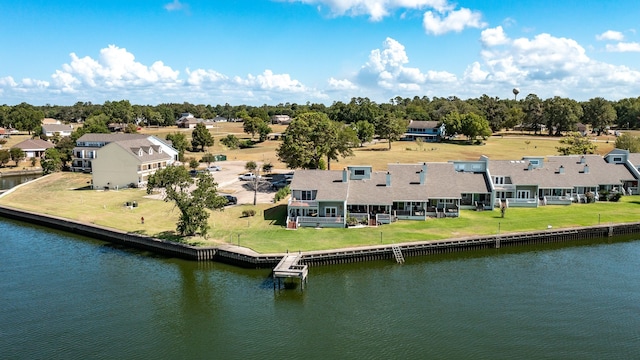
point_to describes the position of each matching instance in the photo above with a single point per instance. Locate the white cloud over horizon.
(543, 64)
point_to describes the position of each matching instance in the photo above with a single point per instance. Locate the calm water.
(66, 297)
(7, 182)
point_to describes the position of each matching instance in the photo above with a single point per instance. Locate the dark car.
(281, 183)
(231, 200)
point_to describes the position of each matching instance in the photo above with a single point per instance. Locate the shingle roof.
(56, 128)
(34, 144)
(441, 182)
(133, 147)
(419, 124)
(549, 176)
(110, 137)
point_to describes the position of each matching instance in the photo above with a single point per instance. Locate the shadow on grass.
(277, 214)
(88, 187)
(170, 236)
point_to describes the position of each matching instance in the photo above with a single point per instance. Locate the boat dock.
(288, 267)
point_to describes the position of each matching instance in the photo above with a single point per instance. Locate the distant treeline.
(554, 115)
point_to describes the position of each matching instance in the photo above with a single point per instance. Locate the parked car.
(248, 177)
(281, 184)
(195, 173)
(213, 168)
(231, 200)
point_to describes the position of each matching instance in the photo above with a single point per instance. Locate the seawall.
(248, 258)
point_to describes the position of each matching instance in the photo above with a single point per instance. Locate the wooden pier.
(289, 267)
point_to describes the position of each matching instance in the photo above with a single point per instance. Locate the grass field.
(67, 195)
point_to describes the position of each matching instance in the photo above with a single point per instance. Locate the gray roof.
(34, 144)
(56, 128)
(107, 138)
(441, 182)
(549, 175)
(133, 147)
(419, 124)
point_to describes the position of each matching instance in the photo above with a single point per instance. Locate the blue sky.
(258, 52)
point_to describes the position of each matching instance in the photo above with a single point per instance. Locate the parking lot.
(229, 183)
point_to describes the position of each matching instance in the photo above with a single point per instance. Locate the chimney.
(586, 169)
(423, 173)
(530, 166)
(345, 175)
(561, 169)
(388, 179)
(582, 159)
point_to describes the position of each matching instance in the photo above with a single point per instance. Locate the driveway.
(228, 183)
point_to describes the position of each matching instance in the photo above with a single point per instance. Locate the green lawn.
(67, 195)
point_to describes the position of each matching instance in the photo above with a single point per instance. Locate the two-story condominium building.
(88, 145)
(428, 131)
(62, 130)
(322, 198)
(417, 191)
(532, 181)
(126, 163)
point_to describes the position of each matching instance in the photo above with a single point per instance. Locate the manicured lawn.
(67, 195)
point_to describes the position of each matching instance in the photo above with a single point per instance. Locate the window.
(617, 159)
(330, 211)
(523, 194)
(306, 195)
(499, 180)
(358, 172)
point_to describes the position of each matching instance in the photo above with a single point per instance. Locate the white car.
(248, 177)
(213, 168)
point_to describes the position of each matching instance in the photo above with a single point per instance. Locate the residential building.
(427, 131)
(87, 147)
(417, 191)
(34, 148)
(61, 130)
(126, 163)
(281, 119)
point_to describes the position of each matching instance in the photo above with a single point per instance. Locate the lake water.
(67, 297)
(9, 181)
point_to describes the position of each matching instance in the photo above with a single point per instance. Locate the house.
(4, 133)
(125, 163)
(281, 119)
(87, 146)
(191, 122)
(405, 191)
(50, 121)
(533, 182)
(33, 148)
(427, 131)
(51, 130)
(417, 191)
(582, 129)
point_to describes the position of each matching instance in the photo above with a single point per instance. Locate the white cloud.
(375, 9)
(343, 84)
(493, 37)
(176, 5)
(610, 35)
(455, 20)
(624, 47)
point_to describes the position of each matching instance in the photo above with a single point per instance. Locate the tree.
(176, 183)
(95, 124)
(51, 162)
(391, 128)
(5, 156)
(310, 138)
(201, 137)
(341, 142)
(629, 142)
(251, 166)
(230, 141)
(599, 113)
(576, 145)
(251, 125)
(26, 118)
(533, 112)
(179, 142)
(208, 158)
(193, 163)
(263, 131)
(364, 130)
(473, 126)
(561, 114)
(16, 155)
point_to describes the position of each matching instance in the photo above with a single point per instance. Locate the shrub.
(615, 197)
(248, 213)
(282, 193)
